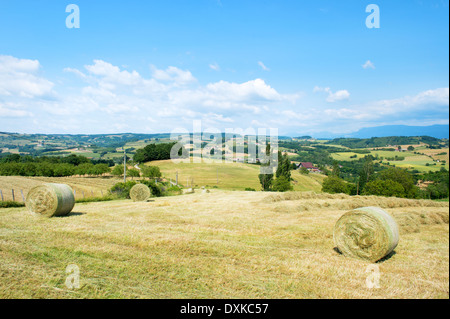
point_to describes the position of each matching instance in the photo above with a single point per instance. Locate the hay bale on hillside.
(140, 193)
(367, 233)
(50, 200)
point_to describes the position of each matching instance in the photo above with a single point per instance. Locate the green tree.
(63, 169)
(282, 184)
(334, 185)
(100, 169)
(266, 172)
(402, 177)
(151, 172)
(388, 188)
(133, 173)
(85, 169)
(284, 166)
(117, 170)
(367, 172)
(336, 169)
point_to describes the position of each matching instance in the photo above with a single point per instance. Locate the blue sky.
(303, 67)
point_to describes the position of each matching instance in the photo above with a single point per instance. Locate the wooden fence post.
(1, 194)
(12, 191)
(23, 197)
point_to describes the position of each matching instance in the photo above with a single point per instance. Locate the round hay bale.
(140, 193)
(50, 200)
(367, 233)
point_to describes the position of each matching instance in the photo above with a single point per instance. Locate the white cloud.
(368, 65)
(9, 110)
(214, 66)
(432, 101)
(251, 90)
(112, 75)
(19, 78)
(265, 68)
(333, 97)
(75, 71)
(110, 99)
(174, 74)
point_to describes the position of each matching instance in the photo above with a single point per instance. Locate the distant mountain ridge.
(436, 131)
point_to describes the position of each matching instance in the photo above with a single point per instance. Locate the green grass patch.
(11, 204)
(96, 199)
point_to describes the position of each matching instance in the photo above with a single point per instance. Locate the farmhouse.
(309, 166)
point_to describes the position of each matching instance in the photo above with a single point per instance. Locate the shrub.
(282, 184)
(9, 204)
(133, 173)
(388, 188)
(335, 185)
(304, 171)
(155, 188)
(122, 190)
(173, 190)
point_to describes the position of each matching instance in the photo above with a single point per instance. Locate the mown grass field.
(218, 245)
(231, 176)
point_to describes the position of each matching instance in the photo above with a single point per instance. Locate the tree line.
(154, 152)
(25, 165)
(391, 182)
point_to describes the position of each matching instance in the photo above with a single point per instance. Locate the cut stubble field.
(90, 186)
(219, 245)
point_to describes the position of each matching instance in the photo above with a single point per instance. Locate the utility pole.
(124, 165)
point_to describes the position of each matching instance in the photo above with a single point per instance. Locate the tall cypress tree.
(266, 172)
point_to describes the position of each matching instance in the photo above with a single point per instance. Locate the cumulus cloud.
(251, 90)
(19, 77)
(109, 98)
(9, 110)
(434, 101)
(333, 96)
(175, 75)
(112, 74)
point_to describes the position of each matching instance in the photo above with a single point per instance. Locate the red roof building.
(306, 165)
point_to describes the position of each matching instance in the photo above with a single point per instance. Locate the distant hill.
(437, 131)
(352, 142)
